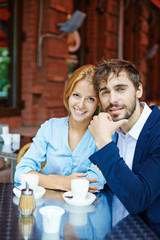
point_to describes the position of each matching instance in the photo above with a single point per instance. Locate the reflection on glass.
(96, 217)
(26, 226)
(4, 80)
(119, 212)
(5, 84)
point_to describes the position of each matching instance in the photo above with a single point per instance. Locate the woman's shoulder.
(55, 122)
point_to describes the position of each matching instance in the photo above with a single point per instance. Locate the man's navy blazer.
(138, 189)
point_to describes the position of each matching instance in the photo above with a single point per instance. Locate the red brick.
(54, 104)
(144, 25)
(142, 51)
(143, 66)
(56, 67)
(112, 7)
(145, 11)
(51, 22)
(143, 39)
(54, 47)
(111, 41)
(61, 5)
(57, 112)
(111, 24)
(56, 78)
(14, 122)
(37, 89)
(108, 54)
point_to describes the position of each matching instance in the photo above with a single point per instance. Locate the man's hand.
(102, 128)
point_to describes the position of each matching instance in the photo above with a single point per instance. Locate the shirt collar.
(136, 129)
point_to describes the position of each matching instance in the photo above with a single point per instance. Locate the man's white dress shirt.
(127, 143)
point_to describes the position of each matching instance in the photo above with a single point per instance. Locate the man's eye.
(121, 89)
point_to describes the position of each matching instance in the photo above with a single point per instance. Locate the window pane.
(10, 46)
(4, 79)
(5, 83)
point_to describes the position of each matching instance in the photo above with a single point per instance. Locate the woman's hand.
(71, 177)
(61, 182)
(64, 182)
(93, 189)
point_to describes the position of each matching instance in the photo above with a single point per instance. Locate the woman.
(66, 143)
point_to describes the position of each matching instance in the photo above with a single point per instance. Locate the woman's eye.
(105, 92)
(75, 95)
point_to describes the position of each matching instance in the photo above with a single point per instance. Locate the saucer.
(89, 199)
(79, 209)
(38, 193)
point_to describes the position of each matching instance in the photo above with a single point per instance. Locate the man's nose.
(113, 97)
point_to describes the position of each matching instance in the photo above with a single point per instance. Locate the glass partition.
(10, 47)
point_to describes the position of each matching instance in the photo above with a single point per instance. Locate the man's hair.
(116, 66)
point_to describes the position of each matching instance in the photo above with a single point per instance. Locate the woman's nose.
(81, 103)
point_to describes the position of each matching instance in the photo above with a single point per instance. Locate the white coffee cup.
(51, 216)
(5, 129)
(7, 138)
(31, 179)
(79, 188)
(15, 146)
(16, 137)
(7, 148)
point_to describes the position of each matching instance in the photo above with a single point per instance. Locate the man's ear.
(139, 91)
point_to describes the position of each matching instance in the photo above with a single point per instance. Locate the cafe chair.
(23, 150)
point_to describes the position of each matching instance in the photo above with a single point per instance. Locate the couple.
(75, 145)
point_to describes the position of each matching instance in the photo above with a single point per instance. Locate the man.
(132, 165)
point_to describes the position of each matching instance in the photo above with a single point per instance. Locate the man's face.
(119, 97)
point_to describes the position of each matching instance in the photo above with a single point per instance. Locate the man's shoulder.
(155, 114)
(153, 121)
(155, 108)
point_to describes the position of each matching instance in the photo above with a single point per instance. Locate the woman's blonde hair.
(85, 72)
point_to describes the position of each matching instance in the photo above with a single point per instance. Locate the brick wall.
(44, 68)
(100, 30)
(136, 36)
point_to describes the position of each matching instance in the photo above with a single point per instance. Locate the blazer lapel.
(143, 139)
(140, 147)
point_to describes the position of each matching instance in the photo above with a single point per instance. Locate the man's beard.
(128, 113)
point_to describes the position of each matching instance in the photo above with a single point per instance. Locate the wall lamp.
(69, 26)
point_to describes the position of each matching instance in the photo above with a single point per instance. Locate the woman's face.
(83, 101)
